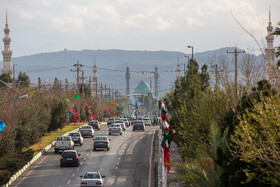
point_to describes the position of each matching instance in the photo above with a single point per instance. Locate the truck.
(63, 143)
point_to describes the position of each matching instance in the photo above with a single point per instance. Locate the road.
(126, 164)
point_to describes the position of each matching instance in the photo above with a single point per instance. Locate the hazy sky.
(52, 25)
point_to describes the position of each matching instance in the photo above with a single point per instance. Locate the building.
(7, 53)
(270, 70)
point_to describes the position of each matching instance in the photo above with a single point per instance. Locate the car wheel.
(94, 149)
(120, 133)
(133, 130)
(108, 149)
(73, 148)
(109, 133)
(61, 165)
(55, 151)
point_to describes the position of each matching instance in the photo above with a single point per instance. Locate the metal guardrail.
(38, 155)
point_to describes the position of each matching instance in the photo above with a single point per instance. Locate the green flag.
(77, 97)
(67, 101)
(164, 138)
(115, 117)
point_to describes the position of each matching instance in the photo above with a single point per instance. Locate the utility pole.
(101, 92)
(116, 95)
(89, 85)
(216, 74)
(83, 84)
(39, 83)
(66, 85)
(235, 60)
(109, 93)
(78, 65)
(113, 94)
(105, 93)
(96, 89)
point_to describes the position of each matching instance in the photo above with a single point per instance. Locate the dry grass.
(50, 137)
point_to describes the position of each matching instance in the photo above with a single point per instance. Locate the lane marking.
(118, 163)
(82, 163)
(119, 158)
(69, 182)
(116, 167)
(77, 169)
(73, 174)
(150, 167)
(87, 154)
(31, 170)
(85, 158)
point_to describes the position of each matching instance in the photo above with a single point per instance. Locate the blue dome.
(142, 87)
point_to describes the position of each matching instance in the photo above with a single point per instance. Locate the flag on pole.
(2, 125)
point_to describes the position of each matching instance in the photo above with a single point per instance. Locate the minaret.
(127, 77)
(269, 52)
(156, 76)
(7, 53)
(178, 70)
(94, 79)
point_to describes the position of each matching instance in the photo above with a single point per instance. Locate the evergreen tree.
(6, 78)
(23, 79)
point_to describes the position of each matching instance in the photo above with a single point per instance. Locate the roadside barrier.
(38, 155)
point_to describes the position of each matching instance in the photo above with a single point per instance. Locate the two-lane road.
(126, 164)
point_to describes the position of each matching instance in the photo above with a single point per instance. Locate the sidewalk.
(175, 157)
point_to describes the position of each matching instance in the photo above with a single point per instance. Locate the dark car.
(95, 124)
(101, 142)
(70, 157)
(138, 125)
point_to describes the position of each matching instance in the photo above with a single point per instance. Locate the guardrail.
(38, 155)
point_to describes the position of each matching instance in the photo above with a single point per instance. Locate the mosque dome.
(142, 88)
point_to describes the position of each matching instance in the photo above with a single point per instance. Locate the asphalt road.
(126, 164)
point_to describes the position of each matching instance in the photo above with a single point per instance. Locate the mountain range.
(111, 65)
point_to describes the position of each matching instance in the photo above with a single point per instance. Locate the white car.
(121, 122)
(92, 178)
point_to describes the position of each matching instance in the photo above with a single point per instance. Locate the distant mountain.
(111, 65)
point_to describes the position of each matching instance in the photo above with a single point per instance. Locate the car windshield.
(93, 122)
(63, 138)
(138, 123)
(100, 138)
(74, 134)
(110, 119)
(115, 126)
(86, 127)
(119, 121)
(69, 154)
(91, 176)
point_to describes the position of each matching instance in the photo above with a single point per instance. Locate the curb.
(38, 155)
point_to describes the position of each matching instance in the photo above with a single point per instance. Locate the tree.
(6, 78)
(23, 79)
(277, 33)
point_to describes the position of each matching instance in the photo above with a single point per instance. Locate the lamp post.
(192, 49)
(14, 71)
(20, 97)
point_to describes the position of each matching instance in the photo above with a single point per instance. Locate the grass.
(50, 137)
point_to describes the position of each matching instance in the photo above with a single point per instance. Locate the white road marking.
(118, 163)
(77, 169)
(150, 167)
(116, 167)
(87, 154)
(69, 182)
(85, 158)
(119, 158)
(73, 175)
(82, 163)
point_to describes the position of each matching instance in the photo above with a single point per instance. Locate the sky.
(39, 26)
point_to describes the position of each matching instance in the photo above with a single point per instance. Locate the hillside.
(111, 63)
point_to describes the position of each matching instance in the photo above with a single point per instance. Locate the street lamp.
(192, 49)
(20, 97)
(14, 71)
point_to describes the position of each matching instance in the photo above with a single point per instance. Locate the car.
(147, 122)
(70, 157)
(76, 137)
(92, 178)
(95, 124)
(101, 142)
(87, 130)
(63, 143)
(138, 125)
(110, 121)
(126, 122)
(121, 122)
(115, 128)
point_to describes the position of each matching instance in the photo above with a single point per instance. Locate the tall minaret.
(94, 79)
(178, 69)
(127, 77)
(7, 53)
(156, 76)
(269, 52)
